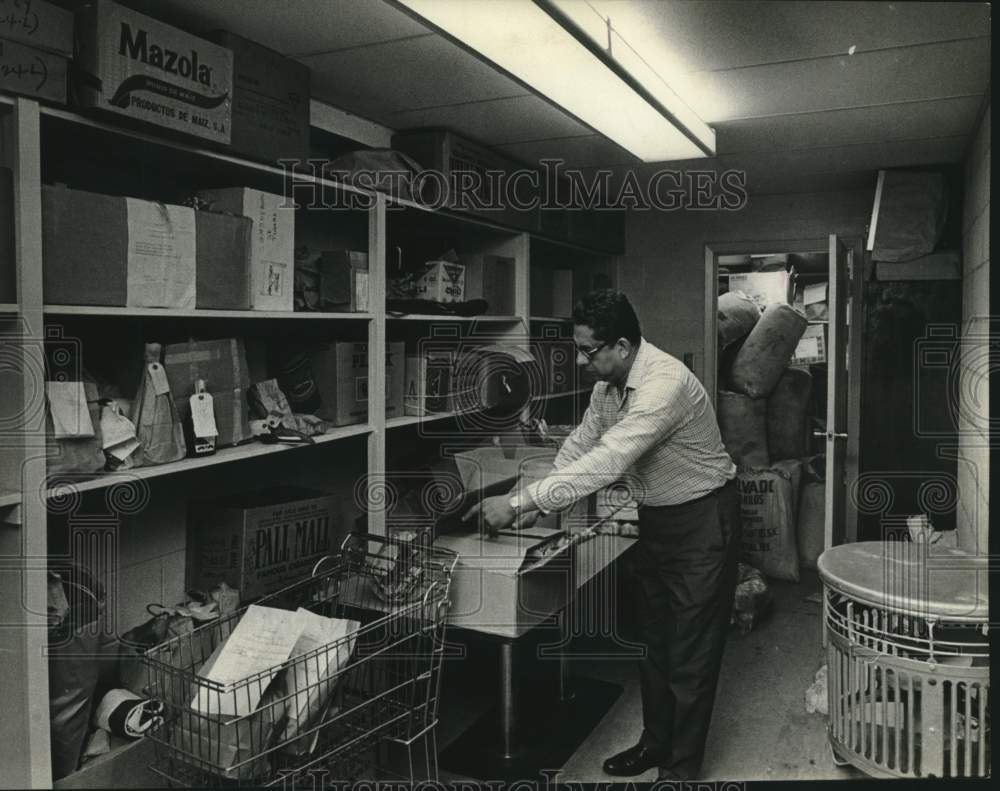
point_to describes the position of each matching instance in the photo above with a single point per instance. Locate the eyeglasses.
(589, 353)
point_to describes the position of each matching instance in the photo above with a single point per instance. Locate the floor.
(760, 729)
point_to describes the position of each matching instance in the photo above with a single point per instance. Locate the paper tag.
(124, 449)
(807, 347)
(68, 407)
(158, 378)
(203, 416)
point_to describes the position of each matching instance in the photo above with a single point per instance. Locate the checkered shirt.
(661, 438)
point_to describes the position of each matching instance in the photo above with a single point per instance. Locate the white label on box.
(161, 255)
(807, 347)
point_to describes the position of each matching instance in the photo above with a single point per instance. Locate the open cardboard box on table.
(502, 586)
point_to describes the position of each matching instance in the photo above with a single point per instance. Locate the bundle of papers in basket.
(276, 658)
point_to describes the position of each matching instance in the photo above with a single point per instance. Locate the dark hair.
(609, 315)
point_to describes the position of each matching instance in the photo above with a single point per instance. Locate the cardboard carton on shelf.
(140, 68)
(116, 251)
(272, 247)
(811, 348)
(35, 73)
(270, 101)
(343, 280)
(340, 370)
(223, 261)
(442, 281)
(260, 542)
(427, 389)
(491, 277)
(222, 365)
(764, 288)
(39, 24)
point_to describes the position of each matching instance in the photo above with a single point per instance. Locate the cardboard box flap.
(506, 555)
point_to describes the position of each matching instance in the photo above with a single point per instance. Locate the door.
(836, 516)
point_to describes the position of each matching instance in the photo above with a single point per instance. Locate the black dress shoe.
(631, 762)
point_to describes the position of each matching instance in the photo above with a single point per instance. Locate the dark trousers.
(684, 579)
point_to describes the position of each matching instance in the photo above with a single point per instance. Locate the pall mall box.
(272, 242)
(117, 251)
(259, 542)
(140, 68)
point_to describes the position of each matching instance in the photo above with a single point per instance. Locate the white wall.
(974, 461)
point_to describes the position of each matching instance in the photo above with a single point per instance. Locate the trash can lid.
(935, 583)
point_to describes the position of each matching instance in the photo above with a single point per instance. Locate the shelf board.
(222, 456)
(8, 307)
(8, 499)
(68, 116)
(563, 319)
(550, 396)
(170, 313)
(818, 321)
(435, 317)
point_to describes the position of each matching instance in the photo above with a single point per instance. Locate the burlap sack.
(786, 415)
(769, 499)
(767, 351)
(743, 424)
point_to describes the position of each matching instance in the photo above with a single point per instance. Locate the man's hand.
(496, 512)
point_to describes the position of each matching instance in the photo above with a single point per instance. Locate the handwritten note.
(262, 640)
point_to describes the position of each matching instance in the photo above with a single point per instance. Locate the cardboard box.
(428, 382)
(32, 72)
(260, 542)
(442, 281)
(501, 587)
(562, 293)
(223, 261)
(486, 377)
(491, 277)
(343, 280)
(811, 348)
(39, 24)
(109, 250)
(764, 288)
(814, 301)
(223, 366)
(340, 371)
(141, 68)
(8, 276)
(272, 248)
(270, 101)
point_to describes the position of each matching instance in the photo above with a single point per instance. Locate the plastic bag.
(753, 598)
(76, 608)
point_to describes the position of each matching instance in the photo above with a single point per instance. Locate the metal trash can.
(906, 636)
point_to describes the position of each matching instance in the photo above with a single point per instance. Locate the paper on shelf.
(68, 407)
(161, 255)
(262, 641)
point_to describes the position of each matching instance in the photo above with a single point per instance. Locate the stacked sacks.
(738, 314)
(763, 424)
(812, 512)
(787, 406)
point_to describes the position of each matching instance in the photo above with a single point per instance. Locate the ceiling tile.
(591, 150)
(912, 74)
(497, 121)
(292, 27)
(685, 35)
(909, 121)
(405, 75)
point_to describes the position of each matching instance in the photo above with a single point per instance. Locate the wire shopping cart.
(328, 712)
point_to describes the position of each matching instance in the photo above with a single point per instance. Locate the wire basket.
(327, 711)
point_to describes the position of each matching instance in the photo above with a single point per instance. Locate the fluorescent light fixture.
(537, 42)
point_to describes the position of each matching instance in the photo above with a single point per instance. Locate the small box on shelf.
(764, 288)
(340, 371)
(811, 348)
(272, 248)
(223, 261)
(441, 281)
(427, 390)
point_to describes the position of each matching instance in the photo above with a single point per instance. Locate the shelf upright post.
(377, 482)
(24, 682)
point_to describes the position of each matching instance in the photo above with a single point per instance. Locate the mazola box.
(259, 542)
(141, 68)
